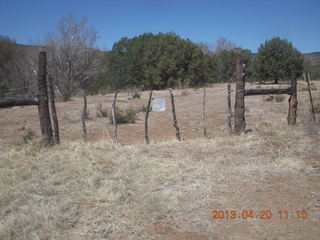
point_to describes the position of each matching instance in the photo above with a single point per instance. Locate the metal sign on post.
(159, 105)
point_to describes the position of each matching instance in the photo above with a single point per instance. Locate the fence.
(241, 93)
(49, 123)
(42, 101)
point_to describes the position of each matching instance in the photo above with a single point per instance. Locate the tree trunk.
(146, 130)
(229, 116)
(43, 107)
(175, 122)
(239, 119)
(84, 116)
(293, 103)
(53, 111)
(114, 119)
(204, 120)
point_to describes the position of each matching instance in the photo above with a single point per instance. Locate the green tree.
(276, 60)
(226, 65)
(156, 61)
(117, 62)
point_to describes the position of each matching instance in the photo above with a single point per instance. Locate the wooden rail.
(12, 102)
(252, 92)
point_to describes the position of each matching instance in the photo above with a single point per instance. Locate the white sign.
(158, 104)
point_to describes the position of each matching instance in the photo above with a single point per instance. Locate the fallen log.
(12, 102)
(252, 92)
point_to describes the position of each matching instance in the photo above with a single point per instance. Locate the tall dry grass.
(107, 191)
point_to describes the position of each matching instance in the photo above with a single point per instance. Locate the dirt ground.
(14, 122)
(169, 188)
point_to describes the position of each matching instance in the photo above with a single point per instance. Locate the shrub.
(28, 136)
(317, 106)
(269, 98)
(144, 109)
(279, 98)
(127, 115)
(101, 111)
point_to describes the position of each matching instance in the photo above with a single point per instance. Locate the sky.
(247, 23)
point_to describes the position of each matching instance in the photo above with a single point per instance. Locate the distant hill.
(312, 58)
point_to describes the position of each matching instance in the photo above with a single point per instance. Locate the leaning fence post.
(239, 119)
(293, 102)
(84, 116)
(229, 116)
(53, 111)
(114, 118)
(43, 107)
(307, 77)
(175, 122)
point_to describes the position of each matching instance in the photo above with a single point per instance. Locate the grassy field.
(168, 189)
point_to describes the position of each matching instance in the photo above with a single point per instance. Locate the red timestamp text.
(258, 214)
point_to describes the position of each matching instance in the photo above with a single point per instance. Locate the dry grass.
(107, 191)
(168, 189)
(276, 98)
(317, 106)
(184, 92)
(302, 86)
(279, 98)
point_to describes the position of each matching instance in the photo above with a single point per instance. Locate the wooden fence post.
(239, 119)
(53, 111)
(204, 119)
(84, 116)
(114, 120)
(43, 106)
(229, 116)
(293, 102)
(175, 122)
(307, 77)
(146, 129)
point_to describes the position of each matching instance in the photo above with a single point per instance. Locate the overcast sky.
(248, 23)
